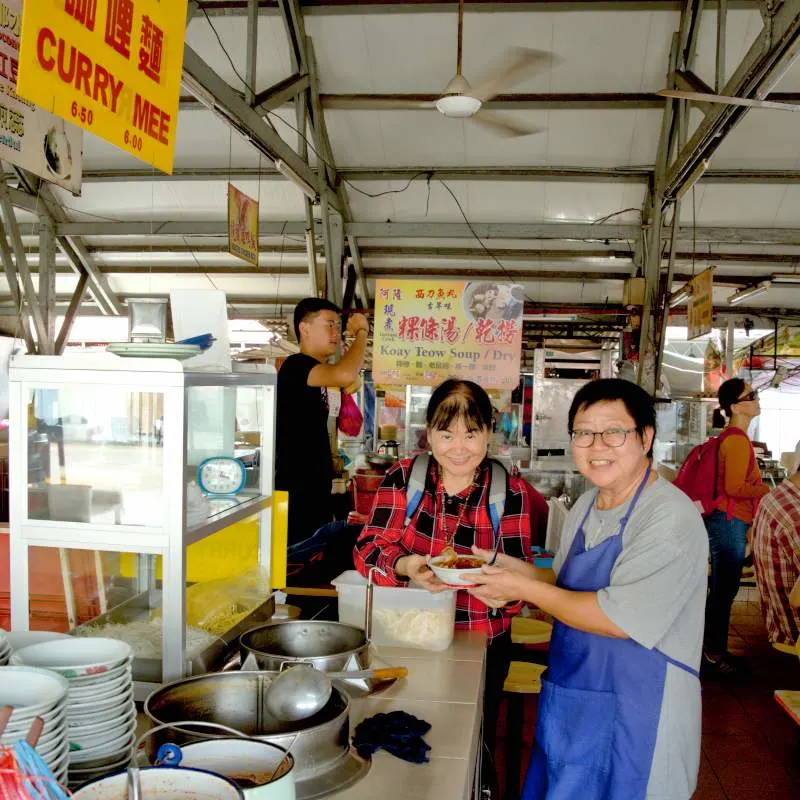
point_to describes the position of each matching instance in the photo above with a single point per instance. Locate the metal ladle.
(301, 690)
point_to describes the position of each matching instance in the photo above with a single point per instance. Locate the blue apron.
(601, 697)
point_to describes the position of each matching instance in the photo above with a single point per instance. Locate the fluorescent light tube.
(306, 188)
(681, 296)
(786, 277)
(750, 291)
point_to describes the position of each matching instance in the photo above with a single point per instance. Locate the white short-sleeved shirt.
(657, 596)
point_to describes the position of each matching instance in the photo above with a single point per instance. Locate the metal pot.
(390, 448)
(236, 699)
(379, 461)
(326, 645)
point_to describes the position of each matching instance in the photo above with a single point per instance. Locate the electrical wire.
(614, 214)
(427, 172)
(479, 240)
(224, 50)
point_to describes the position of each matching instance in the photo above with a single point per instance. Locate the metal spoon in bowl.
(302, 690)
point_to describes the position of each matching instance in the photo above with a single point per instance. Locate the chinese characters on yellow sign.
(242, 225)
(427, 331)
(113, 67)
(701, 303)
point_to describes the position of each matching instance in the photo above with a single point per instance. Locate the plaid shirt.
(776, 558)
(386, 538)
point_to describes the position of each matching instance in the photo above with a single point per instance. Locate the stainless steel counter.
(446, 689)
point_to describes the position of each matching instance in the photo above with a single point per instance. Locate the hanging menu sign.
(427, 331)
(700, 315)
(242, 225)
(31, 137)
(113, 67)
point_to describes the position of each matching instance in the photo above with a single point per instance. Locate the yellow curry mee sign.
(427, 331)
(113, 67)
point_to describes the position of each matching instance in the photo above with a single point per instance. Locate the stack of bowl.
(100, 711)
(5, 649)
(36, 692)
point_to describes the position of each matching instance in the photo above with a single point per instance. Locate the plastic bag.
(219, 605)
(350, 417)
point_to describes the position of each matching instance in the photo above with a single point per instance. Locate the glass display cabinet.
(681, 424)
(111, 483)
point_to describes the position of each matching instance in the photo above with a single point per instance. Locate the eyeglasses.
(613, 437)
(753, 395)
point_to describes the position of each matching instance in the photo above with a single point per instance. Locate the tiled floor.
(750, 747)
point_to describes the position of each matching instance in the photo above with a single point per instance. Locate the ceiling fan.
(460, 100)
(707, 97)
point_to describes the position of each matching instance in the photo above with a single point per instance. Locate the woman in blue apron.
(619, 711)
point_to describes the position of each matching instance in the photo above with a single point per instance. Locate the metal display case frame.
(167, 536)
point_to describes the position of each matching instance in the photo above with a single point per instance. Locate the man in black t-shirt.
(303, 465)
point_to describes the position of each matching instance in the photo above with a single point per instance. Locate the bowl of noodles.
(454, 569)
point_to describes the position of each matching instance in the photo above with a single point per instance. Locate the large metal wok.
(319, 744)
(328, 646)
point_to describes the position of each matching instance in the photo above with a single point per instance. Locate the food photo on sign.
(427, 331)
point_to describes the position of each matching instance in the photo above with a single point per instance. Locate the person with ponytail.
(739, 489)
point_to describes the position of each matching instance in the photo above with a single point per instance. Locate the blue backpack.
(497, 489)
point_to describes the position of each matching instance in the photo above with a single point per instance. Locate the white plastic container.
(402, 616)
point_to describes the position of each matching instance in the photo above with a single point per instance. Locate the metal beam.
(446, 173)
(356, 252)
(722, 39)
(770, 55)
(284, 250)
(227, 104)
(512, 101)
(565, 231)
(30, 301)
(62, 300)
(279, 94)
(72, 311)
(173, 228)
(49, 208)
(649, 240)
(252, 52)
(47, 277)
(335, 7)
(16, 294)
(77, 254)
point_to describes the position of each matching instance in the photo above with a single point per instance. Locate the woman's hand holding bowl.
(416, 568)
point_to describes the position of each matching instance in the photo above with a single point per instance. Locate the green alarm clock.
(221, 475)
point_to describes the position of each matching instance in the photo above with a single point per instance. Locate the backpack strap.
(498, 486)
(416, 485)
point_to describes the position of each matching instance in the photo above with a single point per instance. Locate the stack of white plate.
(37, 692)
(100, 711)
(5, 648)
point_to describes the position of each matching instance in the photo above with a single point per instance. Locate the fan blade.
(518, 64)
(703, 97)
(502, 125)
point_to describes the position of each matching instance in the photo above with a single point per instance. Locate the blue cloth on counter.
(397, 732)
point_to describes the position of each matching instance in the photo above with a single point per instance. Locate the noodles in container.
(402, 616)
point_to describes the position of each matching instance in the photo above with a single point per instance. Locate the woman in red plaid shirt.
(453, 513)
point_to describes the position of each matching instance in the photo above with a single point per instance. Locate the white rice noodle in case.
(429, 628)
(144, 636)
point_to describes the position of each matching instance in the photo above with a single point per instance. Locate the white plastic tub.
(402, 616)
